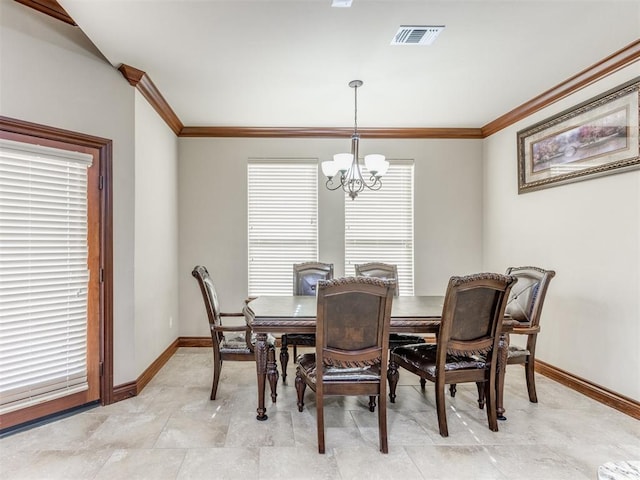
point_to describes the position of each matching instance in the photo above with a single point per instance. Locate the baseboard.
(607, 397)
(195, 342)
(600, 394)
(132, 389)
(155, 367)
(124, 391)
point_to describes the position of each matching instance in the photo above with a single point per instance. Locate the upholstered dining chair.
(467, 345)
(305, 278)
(387, 271)
(230, 342)
(352, 345)
(525, 305)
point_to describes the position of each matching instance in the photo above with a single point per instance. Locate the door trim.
(105, 154)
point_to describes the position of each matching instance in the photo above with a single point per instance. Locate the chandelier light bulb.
(329, 168)
(343, 161)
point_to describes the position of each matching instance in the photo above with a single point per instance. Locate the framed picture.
(597, 137)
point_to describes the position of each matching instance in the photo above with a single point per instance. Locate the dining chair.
(467, 344)
(305, 278)
(230, 342)
(387, 271)
(352, 347)
(525, 305)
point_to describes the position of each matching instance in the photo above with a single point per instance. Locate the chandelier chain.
(355, 110)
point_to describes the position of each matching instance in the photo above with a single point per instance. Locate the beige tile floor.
(173, 431)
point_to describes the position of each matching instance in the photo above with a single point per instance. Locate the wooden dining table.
(297, 314)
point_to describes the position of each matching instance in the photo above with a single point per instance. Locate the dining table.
(419, 314)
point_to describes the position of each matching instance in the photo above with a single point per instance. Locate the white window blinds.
(379, 225)
(282, 221)
(43, 274)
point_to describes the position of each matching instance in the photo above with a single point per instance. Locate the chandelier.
(352, 180)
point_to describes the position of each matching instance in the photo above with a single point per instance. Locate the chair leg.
(492, 415)
(423, 383)
(217, 367)
(481, 396)
(382, 424)
(453, 389)
(393, 376)
(372, 403)
(284, 359)
(441, 408)
(531, 379)
(320, 420)
(300, 388)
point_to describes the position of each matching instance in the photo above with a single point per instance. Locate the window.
(379, 225)
(44, 275)
(282, 221)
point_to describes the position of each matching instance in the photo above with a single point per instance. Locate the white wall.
(589, 233)
(52, 75)
(156, 235)
(213, 212)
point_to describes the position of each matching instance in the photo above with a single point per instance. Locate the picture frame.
(597, 137)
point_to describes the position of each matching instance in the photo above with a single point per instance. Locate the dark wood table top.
(297, 314)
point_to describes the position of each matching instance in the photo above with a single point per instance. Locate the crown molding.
(140, 80)
(327, 132)
(51, 8)
(616, 61)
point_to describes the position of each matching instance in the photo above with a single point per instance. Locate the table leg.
(501, 368)
(261, 370)
(272, 372)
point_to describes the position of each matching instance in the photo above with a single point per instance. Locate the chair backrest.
(210, 298)
(386, 271)
(307, 274)
(353, 318)
(472, 315)
(527, 296)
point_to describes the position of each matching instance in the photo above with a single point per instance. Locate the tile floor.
(173, 431)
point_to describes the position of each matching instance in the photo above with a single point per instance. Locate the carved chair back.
(386, 271)
(306, 276)
(527, 296)
(472, 317)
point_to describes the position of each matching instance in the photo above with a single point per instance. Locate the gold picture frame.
(598, 137)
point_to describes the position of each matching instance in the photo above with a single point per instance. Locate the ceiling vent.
(416, 34)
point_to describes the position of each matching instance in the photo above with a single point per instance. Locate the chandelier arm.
(329, 184)
(375, 185)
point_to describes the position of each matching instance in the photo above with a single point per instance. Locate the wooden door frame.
(104, 148)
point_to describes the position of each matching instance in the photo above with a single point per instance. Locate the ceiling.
(275, 63)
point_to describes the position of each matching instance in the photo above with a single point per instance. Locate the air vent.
(416, 34)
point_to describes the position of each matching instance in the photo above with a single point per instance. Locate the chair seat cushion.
(398, 340)
(307, 364)
(423, 357)
(516, 352)
(234, 342)
(299, 339)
